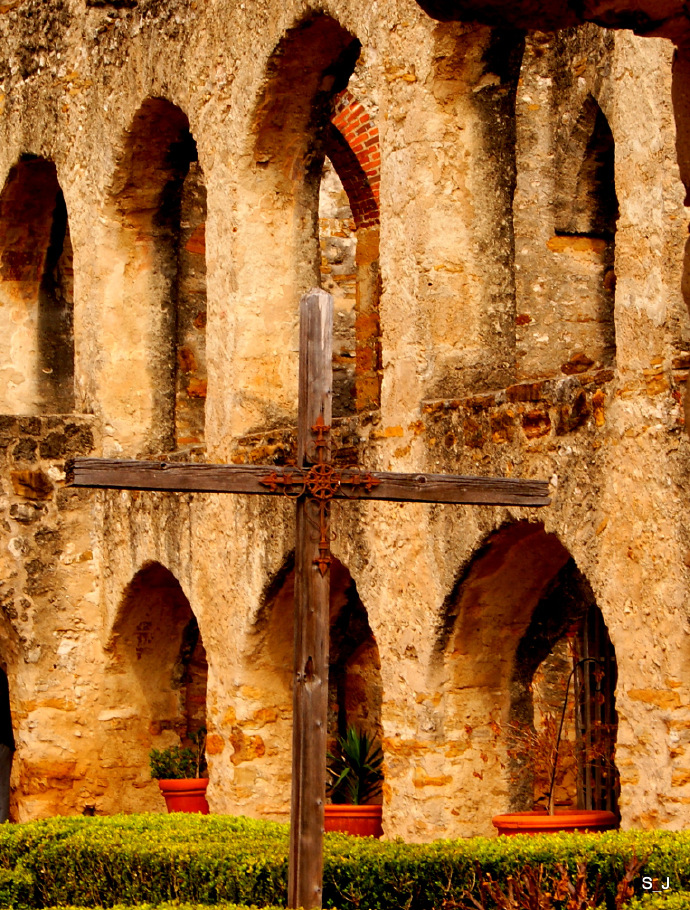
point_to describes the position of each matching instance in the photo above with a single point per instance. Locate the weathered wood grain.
(221, 478)
(454, 488)
(312, 587)
(107, 473)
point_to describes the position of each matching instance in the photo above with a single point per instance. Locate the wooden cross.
(313, 483)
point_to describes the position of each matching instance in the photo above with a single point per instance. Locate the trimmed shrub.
(180, 906)
(680, 900)
(211, 859)
(17, 887)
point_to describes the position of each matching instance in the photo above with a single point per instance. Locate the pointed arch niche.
(278, 237)
(36, 293)
(262, 735)
(158, 666)
(519, 618)
(568, 323)
(586, 217)
(158, 325)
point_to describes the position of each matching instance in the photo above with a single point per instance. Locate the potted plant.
(178, 771)
(548, 753)
(355, 782)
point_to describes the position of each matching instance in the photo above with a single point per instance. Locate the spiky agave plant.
(356, 774)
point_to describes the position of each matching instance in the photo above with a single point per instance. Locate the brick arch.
(275, 241)
(351, 142)
(501, 584)
(566, 626)
(355, 688)
(156, 672)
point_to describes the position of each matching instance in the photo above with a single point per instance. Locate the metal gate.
(595, 714)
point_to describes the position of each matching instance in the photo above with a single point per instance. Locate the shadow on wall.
(7, 747)
(585, 236)
(36, 293)
(158, 660)
(22, 773)
(159, 197)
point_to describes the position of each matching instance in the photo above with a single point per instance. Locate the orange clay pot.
(540, 822)
(186, 795)
(362, 821)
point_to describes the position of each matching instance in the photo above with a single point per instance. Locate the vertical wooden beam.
(310, 692)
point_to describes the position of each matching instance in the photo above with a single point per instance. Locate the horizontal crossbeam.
(221, 478)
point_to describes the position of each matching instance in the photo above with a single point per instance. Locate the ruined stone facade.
(501, 219)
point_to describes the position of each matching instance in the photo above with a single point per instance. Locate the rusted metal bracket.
(319, 484)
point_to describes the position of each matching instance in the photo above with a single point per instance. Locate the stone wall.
(518, 312)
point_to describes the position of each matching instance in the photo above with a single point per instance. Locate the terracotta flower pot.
(362, 821)
(187, 795)
(540, 822)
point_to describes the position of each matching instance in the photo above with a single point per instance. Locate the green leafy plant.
(178, 762)
(355, 771)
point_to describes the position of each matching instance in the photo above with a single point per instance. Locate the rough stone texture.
(190, 339)
(338, 242)
(565, 314)
(506, 348)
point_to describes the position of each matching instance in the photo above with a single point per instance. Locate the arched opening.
(349, 241)
(263, 731)
(518, 619)
(7, 746)
(157, 651)
(36, 293)
(585, 242)
(278, 248)
(355, 690)
(160, 198)
(566, 640)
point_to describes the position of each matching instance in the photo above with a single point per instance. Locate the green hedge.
(679, 900)
(176, 905)
(215, 859)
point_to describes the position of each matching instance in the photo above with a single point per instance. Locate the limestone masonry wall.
(502, 216)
